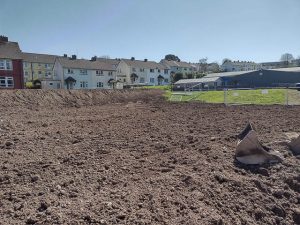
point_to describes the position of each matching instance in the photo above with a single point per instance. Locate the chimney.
(132, 58)
(94, 58)
(74, 57)
(65, 56)
(3, 39)
(145, 60)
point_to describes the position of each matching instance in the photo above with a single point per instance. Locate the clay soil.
(141, 161)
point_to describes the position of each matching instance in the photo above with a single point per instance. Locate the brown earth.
(70, 158)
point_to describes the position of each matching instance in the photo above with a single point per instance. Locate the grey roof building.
(38, 58)
(10, 50)
(179, 67)
(85, 64)
(281, 77)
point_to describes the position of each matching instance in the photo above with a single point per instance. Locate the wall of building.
(16, 73)
(145, 76)
(90, 80)
(51, 84)
(183, 70)
(264, 78)
(123, 72)
(35, 71)
(239, 66)
(102, 79)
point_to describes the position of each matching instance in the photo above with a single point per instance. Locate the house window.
(151, 70)
(166, 80)
(70, 71)
(46, 66)
(165, 71)
(25, 64)
(99, 84)
(142, 80)
(5, 64)
(50, 84)
(39, 64)
(99, 72)
(26, 73)
(151, 80)
(40, 72)
(142, 70)
(83, 84)
(158, 70)
(83, 72)
(110, 73)
(133, 69)
(6, 82)
(8, 65)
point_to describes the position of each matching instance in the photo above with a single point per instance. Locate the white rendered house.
(84, 74)
(142, 72)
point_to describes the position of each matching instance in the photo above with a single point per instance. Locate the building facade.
(179, 67)
(84, 74)
(279, 64)
(142, 72)
(11, 67)
(280, 77)
(38, 68)
(231, 66)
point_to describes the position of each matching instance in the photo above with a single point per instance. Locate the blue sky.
(257, 30)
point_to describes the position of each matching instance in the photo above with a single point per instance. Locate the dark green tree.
(177, 77)
(171, 57)
(190, 76)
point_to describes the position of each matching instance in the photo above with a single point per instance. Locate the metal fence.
(238, 96)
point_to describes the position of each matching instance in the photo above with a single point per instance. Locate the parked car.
(298, 86)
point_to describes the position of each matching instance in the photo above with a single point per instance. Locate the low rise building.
(38, 68)
(231, 66)
(179, 67)
(11, 67)
(84, 74)
(279, 77)
(142, 72)
(204, 83)
(279, 64)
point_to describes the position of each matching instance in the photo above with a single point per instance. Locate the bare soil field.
(129, 157)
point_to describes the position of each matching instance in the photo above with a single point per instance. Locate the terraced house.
(179, 67)
(84, 74)
(11, 68)
(231, 66)
(142, 72)
(38, 69)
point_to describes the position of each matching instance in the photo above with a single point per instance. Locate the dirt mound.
(52, 98)
(143, 163)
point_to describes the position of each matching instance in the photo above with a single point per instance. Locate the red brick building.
(11, 65)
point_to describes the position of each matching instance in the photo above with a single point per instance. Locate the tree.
(214, 67)
(199, 75)
(203, 65)
(286, 57)
(190, 76)
(226, 60)
(203, 61)
(171, 57)
(177, 77)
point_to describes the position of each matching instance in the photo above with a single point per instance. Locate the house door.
(70, 85)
